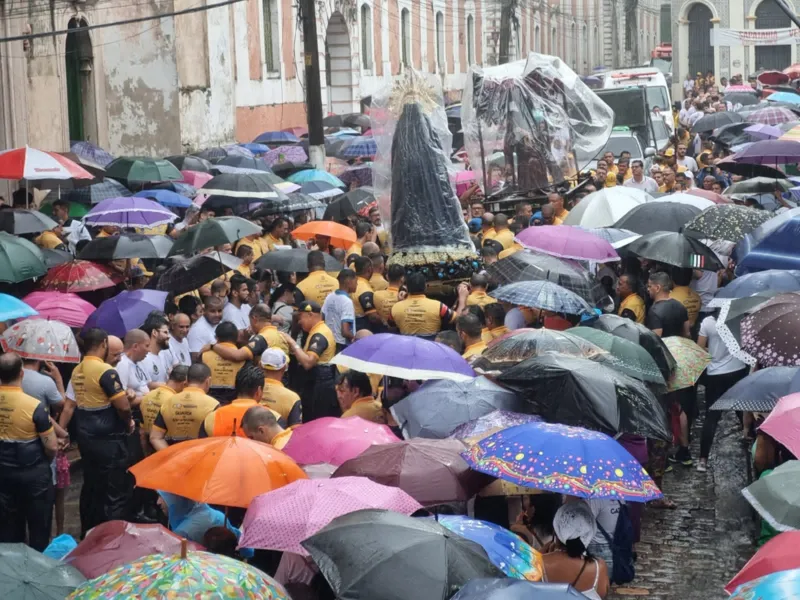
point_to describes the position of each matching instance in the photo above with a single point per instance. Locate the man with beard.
(202, 332)
(157, 363)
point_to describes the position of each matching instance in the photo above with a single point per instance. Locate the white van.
(658, 97)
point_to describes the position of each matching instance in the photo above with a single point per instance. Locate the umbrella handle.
(184, 548)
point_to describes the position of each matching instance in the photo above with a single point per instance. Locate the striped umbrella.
(32, 164)
(772, 115)
(91, 152)
(360, 146)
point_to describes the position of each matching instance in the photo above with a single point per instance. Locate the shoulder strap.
(583, 568)
(596, 574)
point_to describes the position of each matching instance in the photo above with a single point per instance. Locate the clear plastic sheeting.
(531, 123)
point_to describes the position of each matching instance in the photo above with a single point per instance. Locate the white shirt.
(514, 319)
(337, 309)
(237, 316)
(132, 375)
(721, 360)
(74, 233)
(688, 162)
(648, 184)
(179, 352)
(200, 334)
(157, 366)
(706, 286)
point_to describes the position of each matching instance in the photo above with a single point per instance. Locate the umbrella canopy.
(244, 188)
(55, 256)
(381, 554)
(293, 202)
(339, 235)
(743, 98)
(435, 409)
(562, 459)
(657, 216)
(125, 311)
(489, 423)
(676, 249)
(778, 554)
(523, 344)
(688, 199)
(715, 120)
(770, 333)
(281, 519)
(283, 154)
(293, 261)
(727, 222)
(577, 391)
(298, 130)
(545, 295)
(20, 221)
(196, 178)
(166, 198)
(772, 280)
(361, 176)
(605, 207)
(334, 440)
(783, 585)
(115, 543)
(25, 574)
(709, 195)
(126, 245)
(320, 189)
(14, 308)
(91, 152)
(691, 360)
(188, 162)
(564, 241)
(70, 309)
(729, 323)
(348, 120)
(213, 232)
(130, 211)
(772, 115)
(315, 175)
(406, 357)
(229, 471)
(41, 339)
(190, 274)
(770, 246)
(32, 164)
(79, 276)
(350, 204)
(276, 137)
(618, 238)
(625, 356)
(783, 423)
(20, 259)
(184, 189)
(749, 171)
(140, 169)
(761, 390)
(514, 589)
(96, 193)
(758, 185)
(640, 335)
(776, 496)
(770, 152)
(760, 131)
(242, 162)
(359, 147)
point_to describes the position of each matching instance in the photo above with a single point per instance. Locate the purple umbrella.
(125, 311)
(406, 357)
(761, 131)
(770, 152)
(282, 154)
(132, 211)
(361, 174)
(565, 241)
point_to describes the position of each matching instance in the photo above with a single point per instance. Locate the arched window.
(405, 33)
(366, 37)
(537, 42)
(440, 41)
(272, 35)
(470, 40)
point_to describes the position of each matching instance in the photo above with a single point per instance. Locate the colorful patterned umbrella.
(727, 222)
(283, 154)
(565, 241)
(562, 459)
(783, 585)
(778, 554)
(336, 166)
(129, 212)
(79, 276)
(729, 323)
(315, 175)
(14, 308)
(691, 360)
(182, 577)
(771, 333)
(67, 308)
(361, 175)
(772, 115)
(776, 497)
(507, 551)
(783, 423)
(545, 295)
(41, 339)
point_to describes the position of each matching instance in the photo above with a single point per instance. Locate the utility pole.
(316, 136)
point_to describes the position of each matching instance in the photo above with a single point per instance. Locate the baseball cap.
(309, 307)
(274, 359)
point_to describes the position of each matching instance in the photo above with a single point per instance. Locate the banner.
(755, 37)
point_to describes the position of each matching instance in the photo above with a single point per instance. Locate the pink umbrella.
(281, 519)
(464, 180)
(743, 87)
(68, 308)
(709, 195)
(783, 423)
(333, 441)
(196, 178)
(565, 241)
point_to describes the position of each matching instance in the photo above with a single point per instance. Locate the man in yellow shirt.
(469, 330)
(495, 321)
(377, 280)
(386, 299)
(223, 367)
(275, 396)
(317, 284)
(503, 235)
(278, 230)
(511, 250)
(477, 295)
(670, 184)
(365, 232)
(487, 227)
(251, 241)
(50, 240)
(422, 316)
(681, 292)
(259, 424)
(154, 399)
(364, 296)
(557, 202)
(354, 393)
(631, 304)
(245, 253)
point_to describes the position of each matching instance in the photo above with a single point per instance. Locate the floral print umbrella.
(771, 333)
(691, 361)
(728, 222)
(41, 339)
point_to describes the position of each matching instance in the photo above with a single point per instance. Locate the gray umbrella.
(25, 574)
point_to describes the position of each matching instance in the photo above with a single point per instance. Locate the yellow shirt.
(505, 237)
(182, 415)
(363, 298)
(317, 285)
(283, 401)
(244, 269)
(368, 408)
(474, 350)
(354, 249)
(562, 215)
(257, 252)
(384, 301)
(489, 234)
(498, 332)
(419, 315)
(271, 242)
(611, 178)
(49, 240)
(279, 441)
(635, 304)
(321, 343)
(690, 300)
(268, 337)
(151, 404)
(96, 385)
(378, 283)
(515, 247)
(223, 371)
(479, 298)
(23, 419)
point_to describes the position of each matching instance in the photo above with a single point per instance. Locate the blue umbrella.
(771, 246)
(166, 198)
(545, 295)
(515, 589)
(91, 152)
(771, 280)
(125, 311)
(360, 146)
(14, 308)
(344, 132)
(761, 390)
(276, 137)
(781, 585)
(315, 175)
(788, 97)
(256, 148)
(184, 189)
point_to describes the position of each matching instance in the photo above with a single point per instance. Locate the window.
(537, 42)
(574, 51)
(470, 40)
(598, 58)
(584, 62)
(440, 41)
(366, 37)
(552, 49)
(272, 34)
(405, 33)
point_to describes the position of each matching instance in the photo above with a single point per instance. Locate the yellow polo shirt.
(384, 301)
(49, 240)
(368, 408)
(257, 252)
(505, 237)
(321, 343)
(479, 298)
(515, 247)
(182, 415)
(378, 283)
(23, 419)
(283, 401)
(223, 371)
(279, 441)
(363, 298)
(474, 350)
(317, 285)
(151, 404)
(690, 300)
(419, 315)
(354, 249)
(635, 304)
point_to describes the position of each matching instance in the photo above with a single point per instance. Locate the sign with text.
(755, 37)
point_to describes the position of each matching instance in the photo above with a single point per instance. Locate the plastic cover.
(532, 120)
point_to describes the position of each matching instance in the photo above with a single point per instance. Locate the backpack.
(621, 547)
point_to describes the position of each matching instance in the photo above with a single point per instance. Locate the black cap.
(308, 306)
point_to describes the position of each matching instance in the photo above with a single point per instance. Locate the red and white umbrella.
(30, 163)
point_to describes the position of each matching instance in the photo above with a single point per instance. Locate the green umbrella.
(213, 232)
(138, 169)
(20, 259)
(623, 355)
(25, 573)
(776, 496)
(76, 209)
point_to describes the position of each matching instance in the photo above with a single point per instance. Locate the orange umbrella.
(228, 471)
(341, 236)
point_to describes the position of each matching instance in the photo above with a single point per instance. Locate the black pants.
(319, 394)
(26, 503)
(106, 491)
(716, 385)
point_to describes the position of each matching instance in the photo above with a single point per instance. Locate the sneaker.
(684, 457)
(673, 458)
(668, 469)
(702, 467)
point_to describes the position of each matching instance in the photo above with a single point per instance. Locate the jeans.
(27, 495)
(106, 491)
(716, 385)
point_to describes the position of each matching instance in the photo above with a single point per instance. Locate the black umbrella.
(293, 261)
(292, 203)
(187, 162)
(714, 120)
(438, 407)
(320, 189)
(190, 274)
(21, 221)
(750, 170)
(233, 188)
(378, 554)
(675, 249)
(576, 391)
(349, 204)
(213, 232)
(348, 120)
(743, 98)
(285, 169)
(334, 146)
(93, 194)
(658, 216)
(54, 257)
(243, 162)
(127, 245)
(761, 390)
(759, 185)
(638, 334)
(727, 134)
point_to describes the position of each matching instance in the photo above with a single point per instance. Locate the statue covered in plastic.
(414, 184)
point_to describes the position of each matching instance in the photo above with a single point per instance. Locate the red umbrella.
(79, 276)
(778, 554)
(116, 543)
(773, 78)
(709, 195)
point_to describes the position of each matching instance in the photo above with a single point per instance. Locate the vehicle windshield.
(662, 64)
(660, 129)
(657, 98)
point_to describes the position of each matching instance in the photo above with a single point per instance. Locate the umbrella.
(657, 216)
(70, 309)
(216, 153)
(281, 154)
(731, 133)
(196, 179)
(14, 308)
(776, 496)
(640, 335)
(184, 189)
(237, 161)
(760, 391)
(770, 152)
(778, 554)
(505, 549)
(514, 589)
(532, 266)
(188, 162)
(340, 236)
(360, 175)
(126, 245)
(435, 409)
(386, 555)
(41, 339)
(783, 585)
(293, 261)
(709, 195)
(489, 423)
(770, 333)
(773, 78)
(352, 203)
(166, 198)
(406, 357)
(91, 152)
(129, 212)
(688, 199)
(315, 175)
(562, 459)
(770, 246)
(744, 87)
(618, 238)
(716, 120)
(20, 259)
(729, 323)
(335, 165)
(348, 120)
(772, 115)
(743, 98)
(190, 274)
(727, 222)
(298, 130)
(759, 185)
(335, 440)
(241, 188)
(20, 221)
(79, 276)
(276, 137)
(577, 391)
(25, 574)
(545, 295)
(229, 471)
(759, 131)
(213, 232)
(287, 168)
(115, 543)
(787, 97)
(141, 169)
(360, 147)
(76, 211)
(281, 519)
(691, 360)
(749, 171)
(125, 311)
(292, 203)
(772, 280)
(184, 575)
(55, 256)
(783, 422)
(97, 192)
(564, 241)
(32, 164)
(320, 189)
(675, 249)
(625, 356)
(522, 344)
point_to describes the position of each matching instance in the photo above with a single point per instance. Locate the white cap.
(274, 359)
